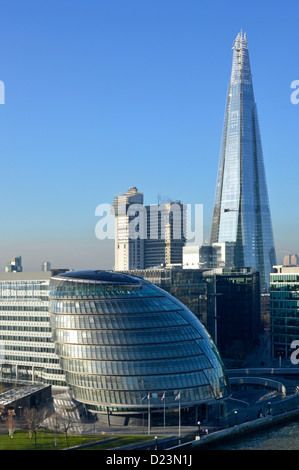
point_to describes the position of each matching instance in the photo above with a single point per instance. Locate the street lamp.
(198, 424)
(20, 408)
(215, 295)
(156, 442)
(269, 409)
(236, 418)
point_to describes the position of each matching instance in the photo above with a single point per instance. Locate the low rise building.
(27, 349)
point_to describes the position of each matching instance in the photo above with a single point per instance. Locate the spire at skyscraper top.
(241, 65)
(240, 41)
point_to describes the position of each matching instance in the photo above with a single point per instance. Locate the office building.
(46, 266)
(291, 260)
(238, 314)
(227, 301)
(166, 234)
(197, 257)
(14, 265)
(225, 252)
(208, 256)
(147, 236)
(191, 286)
(27, 349)
(284, 310)
(241, 210)
(126, 345)
(129, 248)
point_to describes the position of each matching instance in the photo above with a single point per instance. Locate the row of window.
(25, 318)
(287, 330)
(284, 314)
(40, 359)
(292, 305)
(113, 306)
(21, 285)
(153, 320)
(134, 368)
(283, 287)
(290, 321)
(284, 339)
(144, 383)
(27, 369)
(62, 289)
(50, 375)
(29, 338)
(130, 353)
(23, 327)
(122, 398)
(286, 294)
(125, 337)
(24, 308)
(31, 349)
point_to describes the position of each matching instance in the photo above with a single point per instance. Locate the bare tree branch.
(33, 420)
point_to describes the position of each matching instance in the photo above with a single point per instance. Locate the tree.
(11, 425)
(64, 424)
(33, 420)
(54, 425)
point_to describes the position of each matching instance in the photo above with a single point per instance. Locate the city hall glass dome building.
(126, 345)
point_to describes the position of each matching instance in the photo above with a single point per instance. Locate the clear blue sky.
(101, 95)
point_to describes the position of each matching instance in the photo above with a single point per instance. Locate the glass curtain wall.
(241, 211)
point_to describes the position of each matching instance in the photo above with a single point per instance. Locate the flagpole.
(149, 414)
(178, 397)
(164, 413)
(179, 414)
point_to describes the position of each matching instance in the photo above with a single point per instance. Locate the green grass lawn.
(45, 441)
(121, 441)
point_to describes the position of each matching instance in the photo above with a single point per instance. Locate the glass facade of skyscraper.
(241, 210)
(121, 339)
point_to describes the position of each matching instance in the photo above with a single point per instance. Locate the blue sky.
(104, 95)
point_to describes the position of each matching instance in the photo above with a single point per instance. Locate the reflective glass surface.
(241, 210)
(117, 348)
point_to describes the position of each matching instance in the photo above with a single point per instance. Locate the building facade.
(147, 236)
(166, 234)
(238, 315)
(284, 310)
(14, 265)
(193, 287)
(27, 349)
(241, 210)
(226, 300)
(126, 345)
(291, 260)
(209, 256)
(46, 266)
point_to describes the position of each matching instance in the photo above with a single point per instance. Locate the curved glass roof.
(121, 338)
(101, 276)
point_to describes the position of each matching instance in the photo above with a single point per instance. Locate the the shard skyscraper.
(241, 211)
